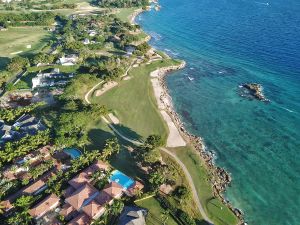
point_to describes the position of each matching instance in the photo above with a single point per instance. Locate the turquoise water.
(226, 43)
(121, 179)
(73, 152)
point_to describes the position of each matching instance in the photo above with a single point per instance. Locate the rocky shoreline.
(219, 177)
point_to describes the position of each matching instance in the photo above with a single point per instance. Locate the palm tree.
(165, 216)
(2, 207)
(117, 207)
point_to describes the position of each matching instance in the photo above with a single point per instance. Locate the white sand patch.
(113, 118)
(163, 101)
(158, 93)
(174, 138)
(127, 78)
(14, 53)
(155, 73)
(107, 86)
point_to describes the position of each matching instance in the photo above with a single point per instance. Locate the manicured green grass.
(155, 212)
(134, 104)
(15, 40)
(123, 14)
(216, 210)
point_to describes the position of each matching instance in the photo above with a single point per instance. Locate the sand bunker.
(174, 138)
(113, 118)
(107, 86)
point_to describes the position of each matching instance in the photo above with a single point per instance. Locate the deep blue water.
(225, 43)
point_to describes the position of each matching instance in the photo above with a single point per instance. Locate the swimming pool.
(73, 152)
(121, 179)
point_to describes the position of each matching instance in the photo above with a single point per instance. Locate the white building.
(50, 79)
(68, 60)
(86, 41)
(92, 33)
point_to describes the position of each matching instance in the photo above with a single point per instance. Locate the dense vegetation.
(122, 3)
(27, 19)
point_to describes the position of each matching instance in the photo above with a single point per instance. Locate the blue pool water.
(226, 43)
(121, 179)
(73, 152)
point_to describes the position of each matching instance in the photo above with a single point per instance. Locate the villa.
(129, 50)
(26, 124)
(68, 60)
(46, 205)
(86, 41)
(32, 189)
(19, 171)
(83, 203)
(132, 215)
(92, 33)
(53, 78)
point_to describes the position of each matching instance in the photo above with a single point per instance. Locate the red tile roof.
(68, 210)
(44, 206)
(82, 196)
(86, 175)
(93, 209)
(113, 189)
(81, 219)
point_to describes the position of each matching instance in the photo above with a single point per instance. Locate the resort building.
(86, 41)
(24, 125)
(53, 78)
(46, 205)
(132, 215)
(83, 203)
(32, 189)
(68, 60)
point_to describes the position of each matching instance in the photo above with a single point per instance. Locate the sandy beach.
(179, 136)
(165, 104)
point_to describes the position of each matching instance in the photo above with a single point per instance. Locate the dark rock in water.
(253, 90)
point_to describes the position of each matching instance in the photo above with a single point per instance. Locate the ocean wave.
(155, 36)
(171, 52)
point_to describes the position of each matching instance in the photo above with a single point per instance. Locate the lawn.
(124, 14)
(134, 104)
(155, 212)
(15, 40)
(216, 210)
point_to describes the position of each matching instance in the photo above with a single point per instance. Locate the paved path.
(185, 170)
(86, 97)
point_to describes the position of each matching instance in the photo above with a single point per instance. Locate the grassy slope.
(214, 207)
(16, 39)
(134, 104)
(155, 212)
(124, 14)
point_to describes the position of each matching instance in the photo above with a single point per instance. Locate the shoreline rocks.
(220, 179)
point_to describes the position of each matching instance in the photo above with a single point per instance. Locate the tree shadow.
(3, 62)
(117, 53)
(128, 132)
(126, 163)
(98, 138)
(202, 222)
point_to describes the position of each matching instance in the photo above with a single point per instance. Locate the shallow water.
(226, 43)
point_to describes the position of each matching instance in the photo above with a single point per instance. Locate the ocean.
(226, 43)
